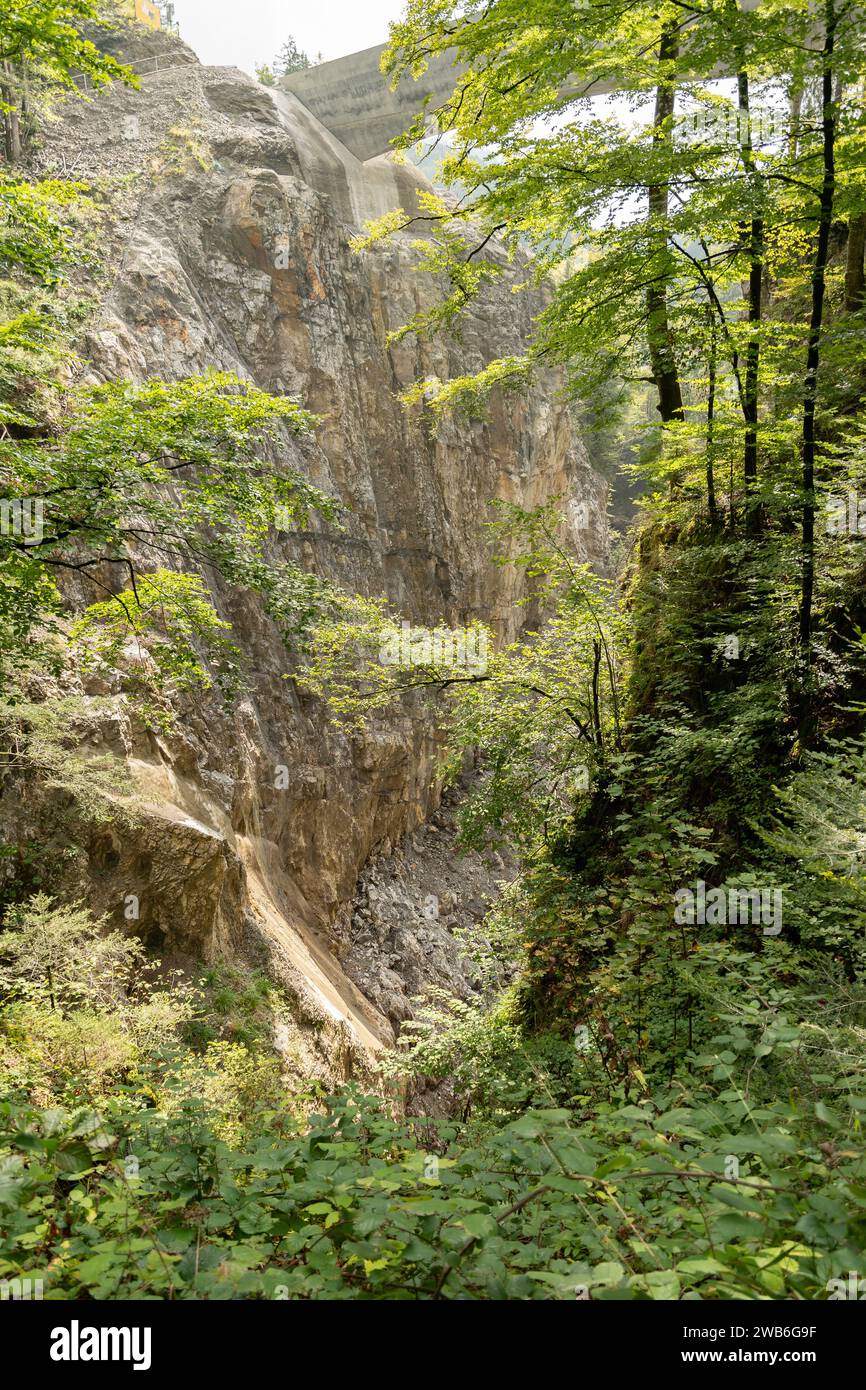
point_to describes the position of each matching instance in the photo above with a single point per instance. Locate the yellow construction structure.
(145, 11)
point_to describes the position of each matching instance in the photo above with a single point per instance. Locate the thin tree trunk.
(659, 337)
(810, 385)
(11, 124)
(7, 128)
(795, 112)
(756, 281)
(855, 280)
(753, 234)
(711, 411)
(16, 137)
(596, 709)
(25, 123)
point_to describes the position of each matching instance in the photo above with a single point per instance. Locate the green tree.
(157, 474)
(675, 237)
(46, 230)
(57, 953)
(290, 59)
(43, 48)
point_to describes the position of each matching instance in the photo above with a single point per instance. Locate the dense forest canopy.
(658, 1090)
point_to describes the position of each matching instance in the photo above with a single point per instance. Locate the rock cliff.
(226, 246)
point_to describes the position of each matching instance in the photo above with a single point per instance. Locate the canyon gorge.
(226, 245)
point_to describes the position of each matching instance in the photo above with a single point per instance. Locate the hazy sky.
(245, 32)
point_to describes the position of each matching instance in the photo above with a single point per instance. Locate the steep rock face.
(227, 247)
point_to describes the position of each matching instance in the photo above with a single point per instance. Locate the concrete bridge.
(354, 101)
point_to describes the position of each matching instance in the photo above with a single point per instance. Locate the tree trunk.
(753, 236)
(810, 385)
(7, 126)
(659, 338)
(711, 411)
(756, 280)
(855, 280)
(11, 124)
(596, 708)
(795, 109)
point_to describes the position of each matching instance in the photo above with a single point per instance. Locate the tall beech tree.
(813, 356)
(668, 220)
(753, 235)
(659, 336)
(557, 172)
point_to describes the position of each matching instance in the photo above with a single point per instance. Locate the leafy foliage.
(173, 470)
(636, 1202)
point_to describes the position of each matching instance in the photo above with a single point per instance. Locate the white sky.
(242, 33)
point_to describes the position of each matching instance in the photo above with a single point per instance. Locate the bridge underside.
(355, 103)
